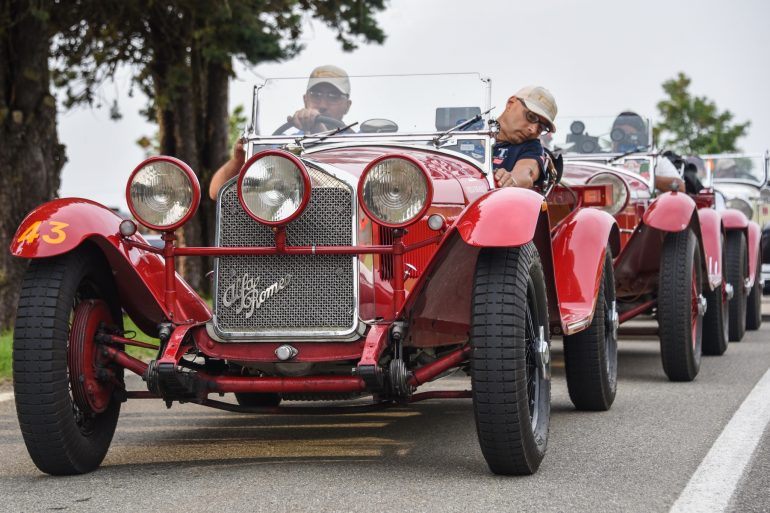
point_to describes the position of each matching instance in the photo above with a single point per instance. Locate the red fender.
(711, 235)
(59, 226)
(579, 247)
(670, 212)
(734, 219)
(504, 217)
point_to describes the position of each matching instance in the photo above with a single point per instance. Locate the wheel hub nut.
(701, 305)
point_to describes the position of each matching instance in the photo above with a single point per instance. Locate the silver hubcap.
(543, 354)
(701, 305)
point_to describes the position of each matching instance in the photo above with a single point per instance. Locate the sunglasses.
(330, 96)
(534, 118)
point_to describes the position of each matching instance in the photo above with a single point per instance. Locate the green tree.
(694, 124)
(181, 54)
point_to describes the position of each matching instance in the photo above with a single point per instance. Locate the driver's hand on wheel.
(304, 119)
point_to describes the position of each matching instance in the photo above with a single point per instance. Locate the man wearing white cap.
(327, 95)
(518, 157)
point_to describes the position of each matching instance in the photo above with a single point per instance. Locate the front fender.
(670, 212)
(711, 236)
(734, 219)
(580, 243)
(62, 225)
(504, 217)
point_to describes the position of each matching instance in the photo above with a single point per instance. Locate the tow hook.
(543, 354)
(701, 305)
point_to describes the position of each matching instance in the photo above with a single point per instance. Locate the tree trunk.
(31, 157)
(194, 127)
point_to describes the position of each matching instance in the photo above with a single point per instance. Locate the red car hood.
(454, 180)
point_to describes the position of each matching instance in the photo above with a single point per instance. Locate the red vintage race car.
(740, 182)
(362, 262)
(677, 248)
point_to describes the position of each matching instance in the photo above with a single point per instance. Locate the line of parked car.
(350, 267)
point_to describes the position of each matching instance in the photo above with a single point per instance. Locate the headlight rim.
(730, 204)
(194, 183)
(625, 185)
(428, 185)
(305, 179)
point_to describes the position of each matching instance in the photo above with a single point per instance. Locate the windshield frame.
(253, 129)
(764, 157)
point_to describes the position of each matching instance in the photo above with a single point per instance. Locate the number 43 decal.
(56, 236)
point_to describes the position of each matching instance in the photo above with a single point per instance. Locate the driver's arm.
(525, 173)
(228, 170)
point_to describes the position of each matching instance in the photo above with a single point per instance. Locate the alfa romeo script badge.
(245, 294)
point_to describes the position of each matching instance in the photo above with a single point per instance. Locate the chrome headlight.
(395, 190)
(163, 193)
(274, 187)
(620, 192)
(742, 205)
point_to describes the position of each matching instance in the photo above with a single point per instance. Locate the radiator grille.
(287, 295)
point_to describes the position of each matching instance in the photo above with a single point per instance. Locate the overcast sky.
(598, 57)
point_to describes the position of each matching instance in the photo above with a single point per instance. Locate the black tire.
(510, 367)
(591, 356)
(736, 270)
(62, 437)
(716, 319)
(679, 316)
(257, 399)
(754, 301)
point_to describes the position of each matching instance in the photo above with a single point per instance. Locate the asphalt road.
(639, 456)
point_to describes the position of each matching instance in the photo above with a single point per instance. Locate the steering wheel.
(330, 123)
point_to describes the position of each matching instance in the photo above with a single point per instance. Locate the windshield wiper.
(468, 122)
(638, 149)
(323, 135)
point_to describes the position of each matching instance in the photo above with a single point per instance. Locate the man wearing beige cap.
(518, 157)
(327, 96)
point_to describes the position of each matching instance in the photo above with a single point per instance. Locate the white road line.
(717, 477)
(6, 396)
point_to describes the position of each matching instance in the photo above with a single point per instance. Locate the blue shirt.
(505, 155)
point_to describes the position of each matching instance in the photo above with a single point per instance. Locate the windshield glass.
(730, 168)
(391, 104)
(624, 133)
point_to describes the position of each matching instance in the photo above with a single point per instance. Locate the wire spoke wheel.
(681, 306)
(65, 396)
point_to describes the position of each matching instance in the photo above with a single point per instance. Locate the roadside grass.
(6, 369)
(6, 344)
(139, 352)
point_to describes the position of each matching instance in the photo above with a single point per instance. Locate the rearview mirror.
(378, 126)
